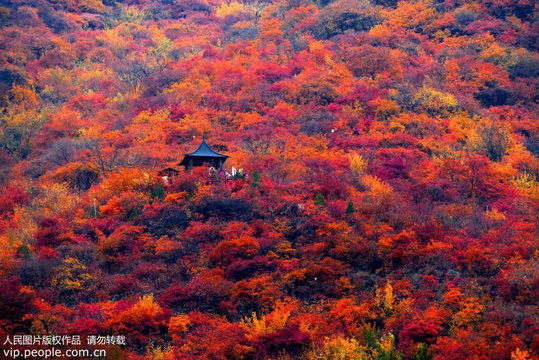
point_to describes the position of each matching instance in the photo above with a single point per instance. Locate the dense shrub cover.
(388, 207)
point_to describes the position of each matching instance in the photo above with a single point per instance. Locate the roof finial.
(203, 137)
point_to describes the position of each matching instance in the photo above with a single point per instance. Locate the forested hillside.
(389, 201)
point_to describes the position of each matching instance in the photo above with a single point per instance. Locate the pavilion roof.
(205, 150)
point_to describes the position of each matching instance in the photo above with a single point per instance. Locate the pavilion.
(203, 155)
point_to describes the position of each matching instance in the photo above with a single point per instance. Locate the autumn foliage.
(388, 206)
